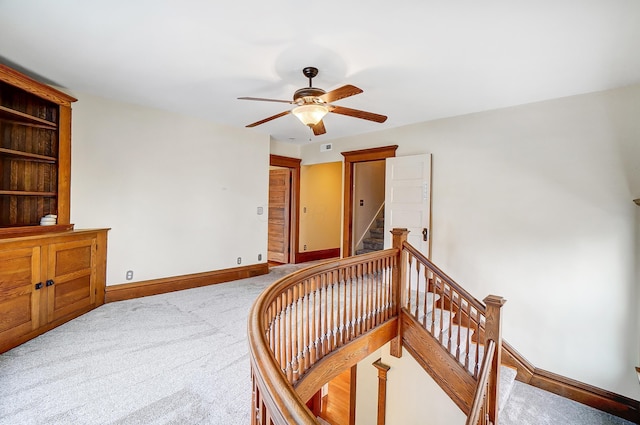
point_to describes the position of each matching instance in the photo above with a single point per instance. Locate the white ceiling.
(416, 60)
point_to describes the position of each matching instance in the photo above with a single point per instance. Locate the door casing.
(350, 158)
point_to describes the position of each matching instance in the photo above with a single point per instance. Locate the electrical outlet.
(259, 257)
(304, 248)
(129, 274)
(239, 260)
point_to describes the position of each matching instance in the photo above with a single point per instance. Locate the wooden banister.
(479, 414)
(327, 317)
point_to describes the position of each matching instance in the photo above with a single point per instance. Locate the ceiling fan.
(312, 104)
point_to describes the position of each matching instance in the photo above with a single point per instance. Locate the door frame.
(293, 164)
(350, 159)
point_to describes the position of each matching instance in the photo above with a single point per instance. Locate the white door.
(408, 199)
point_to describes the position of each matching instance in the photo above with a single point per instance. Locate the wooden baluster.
(450, 324)
(287, 336)
(351, 305)
(361, 307)
(342, 302)
(341, 307)
(426, 297)
(312, 321)
(386, 290)
(406, 301)
(306, 353)
(344, 324)
(378, 291)
(295, 350)
(324, 315)
(469, 337)
(416, 313)
(356, 321)
(280, 344)
(332, 321)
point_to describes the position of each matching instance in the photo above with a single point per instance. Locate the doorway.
(352, 158)
(284, 198)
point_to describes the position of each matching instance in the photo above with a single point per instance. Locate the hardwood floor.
(336, 405)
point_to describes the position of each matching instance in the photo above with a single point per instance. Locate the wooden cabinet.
(35, 152)
(47, 280)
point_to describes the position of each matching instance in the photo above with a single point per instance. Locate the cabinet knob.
(50, 282)
(38, 285)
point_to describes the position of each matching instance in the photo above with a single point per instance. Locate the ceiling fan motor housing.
(308, 95)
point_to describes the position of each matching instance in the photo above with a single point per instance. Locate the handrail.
(305, 316)
(309, 317)
(445, 309)
(479, 409)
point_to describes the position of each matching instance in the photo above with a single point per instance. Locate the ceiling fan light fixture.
(310, 114)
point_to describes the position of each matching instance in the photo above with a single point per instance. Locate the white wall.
(179, 194)
(534, 203)
(413, 397)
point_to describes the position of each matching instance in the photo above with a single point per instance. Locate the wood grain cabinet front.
(46, 281)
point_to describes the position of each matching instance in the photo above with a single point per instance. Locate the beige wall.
(534, 203)
(179, 194)
(320, 206)
(413, 397)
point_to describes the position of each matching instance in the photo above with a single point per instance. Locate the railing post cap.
(399, 231)
(495, 300)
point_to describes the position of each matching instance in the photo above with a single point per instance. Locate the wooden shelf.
(28, 156)
(26, 193)
(32, 230)
(11, 115)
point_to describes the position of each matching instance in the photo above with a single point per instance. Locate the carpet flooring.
(529, 405)
(178, 358)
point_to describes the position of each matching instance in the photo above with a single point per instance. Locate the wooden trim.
(350, 158)
(177, 283)
(515, 360)
(580, 392)
(322, 254)
(597, 398)
(64, 165)
(294, 165)
(353, 379)
(382, 390)
(346, 356)
(32, 86)
(437, 362)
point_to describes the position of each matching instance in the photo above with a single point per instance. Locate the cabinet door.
(71, 277)
(19, 298)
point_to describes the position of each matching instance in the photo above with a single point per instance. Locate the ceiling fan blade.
(281, 114)
(340, 93)
(266, 100)
(319, 129)
(358, 114)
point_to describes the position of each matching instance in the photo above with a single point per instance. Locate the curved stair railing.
(311, 325)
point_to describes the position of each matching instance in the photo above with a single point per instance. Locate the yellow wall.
(320, 206)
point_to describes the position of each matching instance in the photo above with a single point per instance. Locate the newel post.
(493, 330)
(398, 279)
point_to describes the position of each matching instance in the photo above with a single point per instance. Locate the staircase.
(518, 402)
(331, 316)
(374, 241)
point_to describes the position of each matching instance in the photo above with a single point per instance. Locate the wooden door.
(70, 283)
(19, 296)
(279, 215)
(408, 199)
